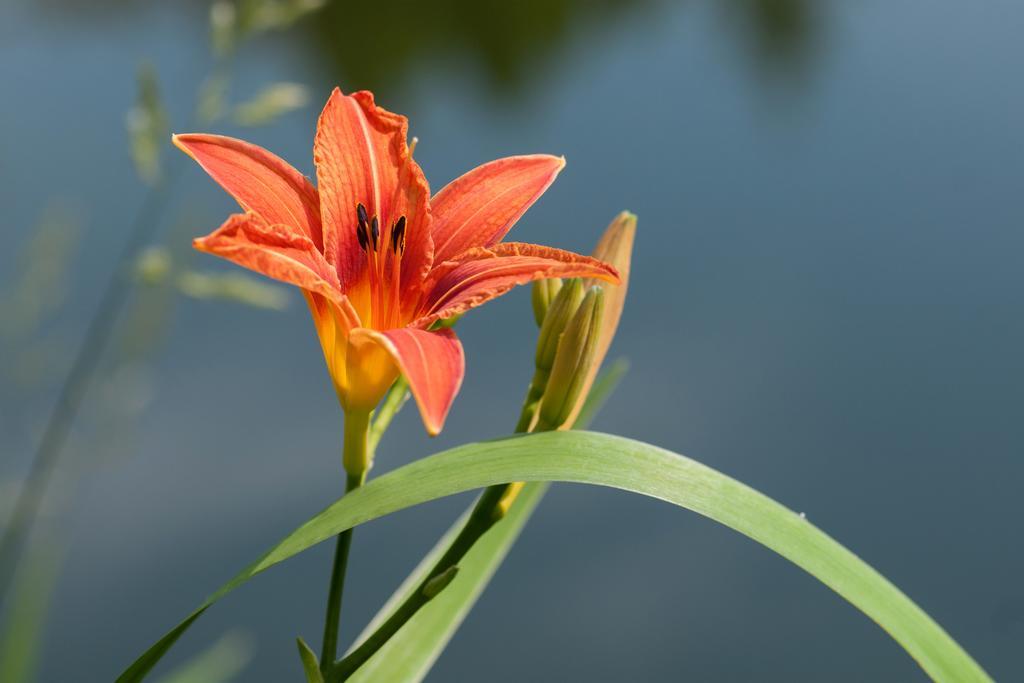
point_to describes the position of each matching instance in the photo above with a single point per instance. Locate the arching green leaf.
(604, 460)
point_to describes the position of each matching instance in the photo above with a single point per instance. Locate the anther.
(374, 231)
(361, 211)
(361, 236)
(398, 236)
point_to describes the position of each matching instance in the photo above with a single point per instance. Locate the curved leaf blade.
(617, 462)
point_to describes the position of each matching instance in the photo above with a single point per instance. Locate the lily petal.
(434, 364)
(362, 157)
(260, 181)
(480, 274)
(272, 250)
(478, 208)
(333, 321)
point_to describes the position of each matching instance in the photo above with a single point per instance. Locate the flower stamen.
(385, 301)
(367, 233)
(398, 236)
(397, 249)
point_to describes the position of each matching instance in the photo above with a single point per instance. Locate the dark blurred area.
(825, 305)
(508, 43)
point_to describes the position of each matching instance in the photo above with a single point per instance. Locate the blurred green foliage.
(147, 126)
(120, 382)
(511, 44)
(233, 22)
(232, 286)
(221, 662)
(779, 36)
(212, 99)
(20, 636)
(40, 283)
(156, 267)
(270, 103)
(370, 44)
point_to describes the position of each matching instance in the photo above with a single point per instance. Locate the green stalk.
(355, 457)
(488, 511)
(533, 396)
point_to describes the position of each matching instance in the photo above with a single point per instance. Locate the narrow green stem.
(356, 455)
(533, 396)
(486, 513)
(356, 461)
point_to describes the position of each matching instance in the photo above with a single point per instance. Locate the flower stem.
(488, 511)
(357, 424)
(533, 396)
(485, 514)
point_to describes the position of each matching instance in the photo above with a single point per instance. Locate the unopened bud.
(616, 248)
(577, 351)
(544, 292)
(440, 582)
(561, 310)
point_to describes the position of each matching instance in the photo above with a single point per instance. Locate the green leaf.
(617, 462)
(310, 664)
(144, 664)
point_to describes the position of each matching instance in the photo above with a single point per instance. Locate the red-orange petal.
(362, 157)
(480, 275)
(478, 208)
(260, 181)
(434, 364)
(272, 250)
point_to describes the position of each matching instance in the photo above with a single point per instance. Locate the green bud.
(543, 292)
(577, 350)
(563, 306)
(440, 582)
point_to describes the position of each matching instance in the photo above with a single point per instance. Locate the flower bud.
(561, 310)
(440, 582)
(543, 292)
(577, 350)
(616, 248)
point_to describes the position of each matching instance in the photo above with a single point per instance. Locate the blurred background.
(826, 304)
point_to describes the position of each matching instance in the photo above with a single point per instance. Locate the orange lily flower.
(379, 260)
